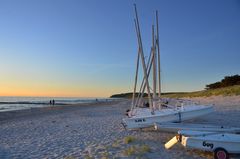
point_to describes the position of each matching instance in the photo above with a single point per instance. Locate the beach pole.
(143, 61)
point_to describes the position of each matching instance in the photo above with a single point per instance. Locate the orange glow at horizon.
(54, 89)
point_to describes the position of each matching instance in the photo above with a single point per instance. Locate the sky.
(88, 48)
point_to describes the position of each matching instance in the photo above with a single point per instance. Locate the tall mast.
(154, 69)
(135, 83)
(143, 84)
(143, 61)
(158, 50)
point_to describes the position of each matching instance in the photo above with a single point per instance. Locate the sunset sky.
(87, 48)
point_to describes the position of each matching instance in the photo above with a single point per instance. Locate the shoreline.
(18, 103)
(12, 114)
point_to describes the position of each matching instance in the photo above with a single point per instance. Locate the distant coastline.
(228, 86)
(19, 103)
(226, 91)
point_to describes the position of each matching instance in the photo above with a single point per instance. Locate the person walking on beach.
(53, 101)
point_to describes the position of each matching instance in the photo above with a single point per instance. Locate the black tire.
(221, 153)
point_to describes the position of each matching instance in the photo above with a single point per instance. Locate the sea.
(18, 103)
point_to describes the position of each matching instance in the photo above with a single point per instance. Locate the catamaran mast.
(143, 84)
(158, 53)
(154, 69)
(143, 61)
(135, 82)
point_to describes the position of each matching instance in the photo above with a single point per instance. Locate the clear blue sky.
(88, 47)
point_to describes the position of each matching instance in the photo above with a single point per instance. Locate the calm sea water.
(17, 103)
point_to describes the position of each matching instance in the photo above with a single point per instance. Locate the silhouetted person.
(50, 102)
(147, 104)
(53, 101)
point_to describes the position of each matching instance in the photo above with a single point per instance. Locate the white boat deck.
(146, 112)
(226, 137)
(194, 129)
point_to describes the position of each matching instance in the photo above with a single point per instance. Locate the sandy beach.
(94, 131)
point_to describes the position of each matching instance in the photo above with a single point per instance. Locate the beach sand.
(94, 131)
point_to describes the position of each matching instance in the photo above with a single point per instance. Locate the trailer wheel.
(221, 153)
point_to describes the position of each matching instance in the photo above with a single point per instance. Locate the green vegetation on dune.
(226, 91)
(126, 95)
(229, 85)
(122, 95)
(226, 82)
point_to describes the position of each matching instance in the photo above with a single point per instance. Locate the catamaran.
(145, 112)
(222, 141)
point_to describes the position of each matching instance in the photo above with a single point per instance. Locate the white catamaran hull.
(230, 142)
(143, 117)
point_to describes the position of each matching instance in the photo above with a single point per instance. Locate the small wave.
(16, 103)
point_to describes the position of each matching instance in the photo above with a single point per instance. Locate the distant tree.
(126, 95)
(213, 85)
(230, 80)
(227, 81)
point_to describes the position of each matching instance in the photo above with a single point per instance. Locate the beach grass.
(88, 157)
(138, 150)
(132, 150)
(129, 139)
(105, 155)
(116, 144)
(145, 148)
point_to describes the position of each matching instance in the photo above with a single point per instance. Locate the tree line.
(227, 81)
